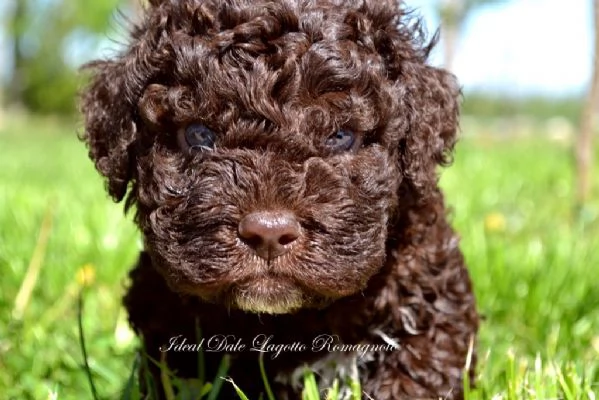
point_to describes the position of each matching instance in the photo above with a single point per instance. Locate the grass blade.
(241, 395)
(269, 392)
(223, 369)
(82, 344)
(35, 265)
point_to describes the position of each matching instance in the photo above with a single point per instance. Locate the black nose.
(269, 232)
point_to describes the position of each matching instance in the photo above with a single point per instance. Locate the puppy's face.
(267, 143)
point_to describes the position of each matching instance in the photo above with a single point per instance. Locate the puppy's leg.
(158, 315)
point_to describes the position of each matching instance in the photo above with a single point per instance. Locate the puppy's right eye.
(197, 137)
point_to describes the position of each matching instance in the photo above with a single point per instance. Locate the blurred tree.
(453, 13)
(49, 40)
(584, 145)
(14, 89)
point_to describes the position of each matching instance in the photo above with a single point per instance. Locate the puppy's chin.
(267, 296)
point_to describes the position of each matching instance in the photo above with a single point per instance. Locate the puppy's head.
(268, 146)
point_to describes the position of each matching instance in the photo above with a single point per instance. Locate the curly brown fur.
(374, 258)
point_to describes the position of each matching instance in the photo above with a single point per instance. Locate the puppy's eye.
(198, 137)
(342, 140)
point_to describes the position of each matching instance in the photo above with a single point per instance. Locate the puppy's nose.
(269, 232)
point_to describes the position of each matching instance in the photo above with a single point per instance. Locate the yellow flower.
(495, 222)
(86, 275)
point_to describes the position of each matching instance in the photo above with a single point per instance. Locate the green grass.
(535, 271)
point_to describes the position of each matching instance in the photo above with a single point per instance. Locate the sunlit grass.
(534, 267)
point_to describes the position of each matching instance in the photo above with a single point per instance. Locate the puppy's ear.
(110, 129)
(431, 99)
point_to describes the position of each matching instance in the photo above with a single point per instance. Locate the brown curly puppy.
(281, 158)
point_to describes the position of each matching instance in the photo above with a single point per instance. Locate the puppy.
(281, 160)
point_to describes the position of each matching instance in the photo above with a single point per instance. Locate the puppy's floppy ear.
(110, 102)
(110, 130)
(431, 98)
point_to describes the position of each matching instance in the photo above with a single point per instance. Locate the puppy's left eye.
(197, 137)
(342, 140)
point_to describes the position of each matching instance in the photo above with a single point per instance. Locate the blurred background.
(507, 53)
(530, 57)
(523, 190)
